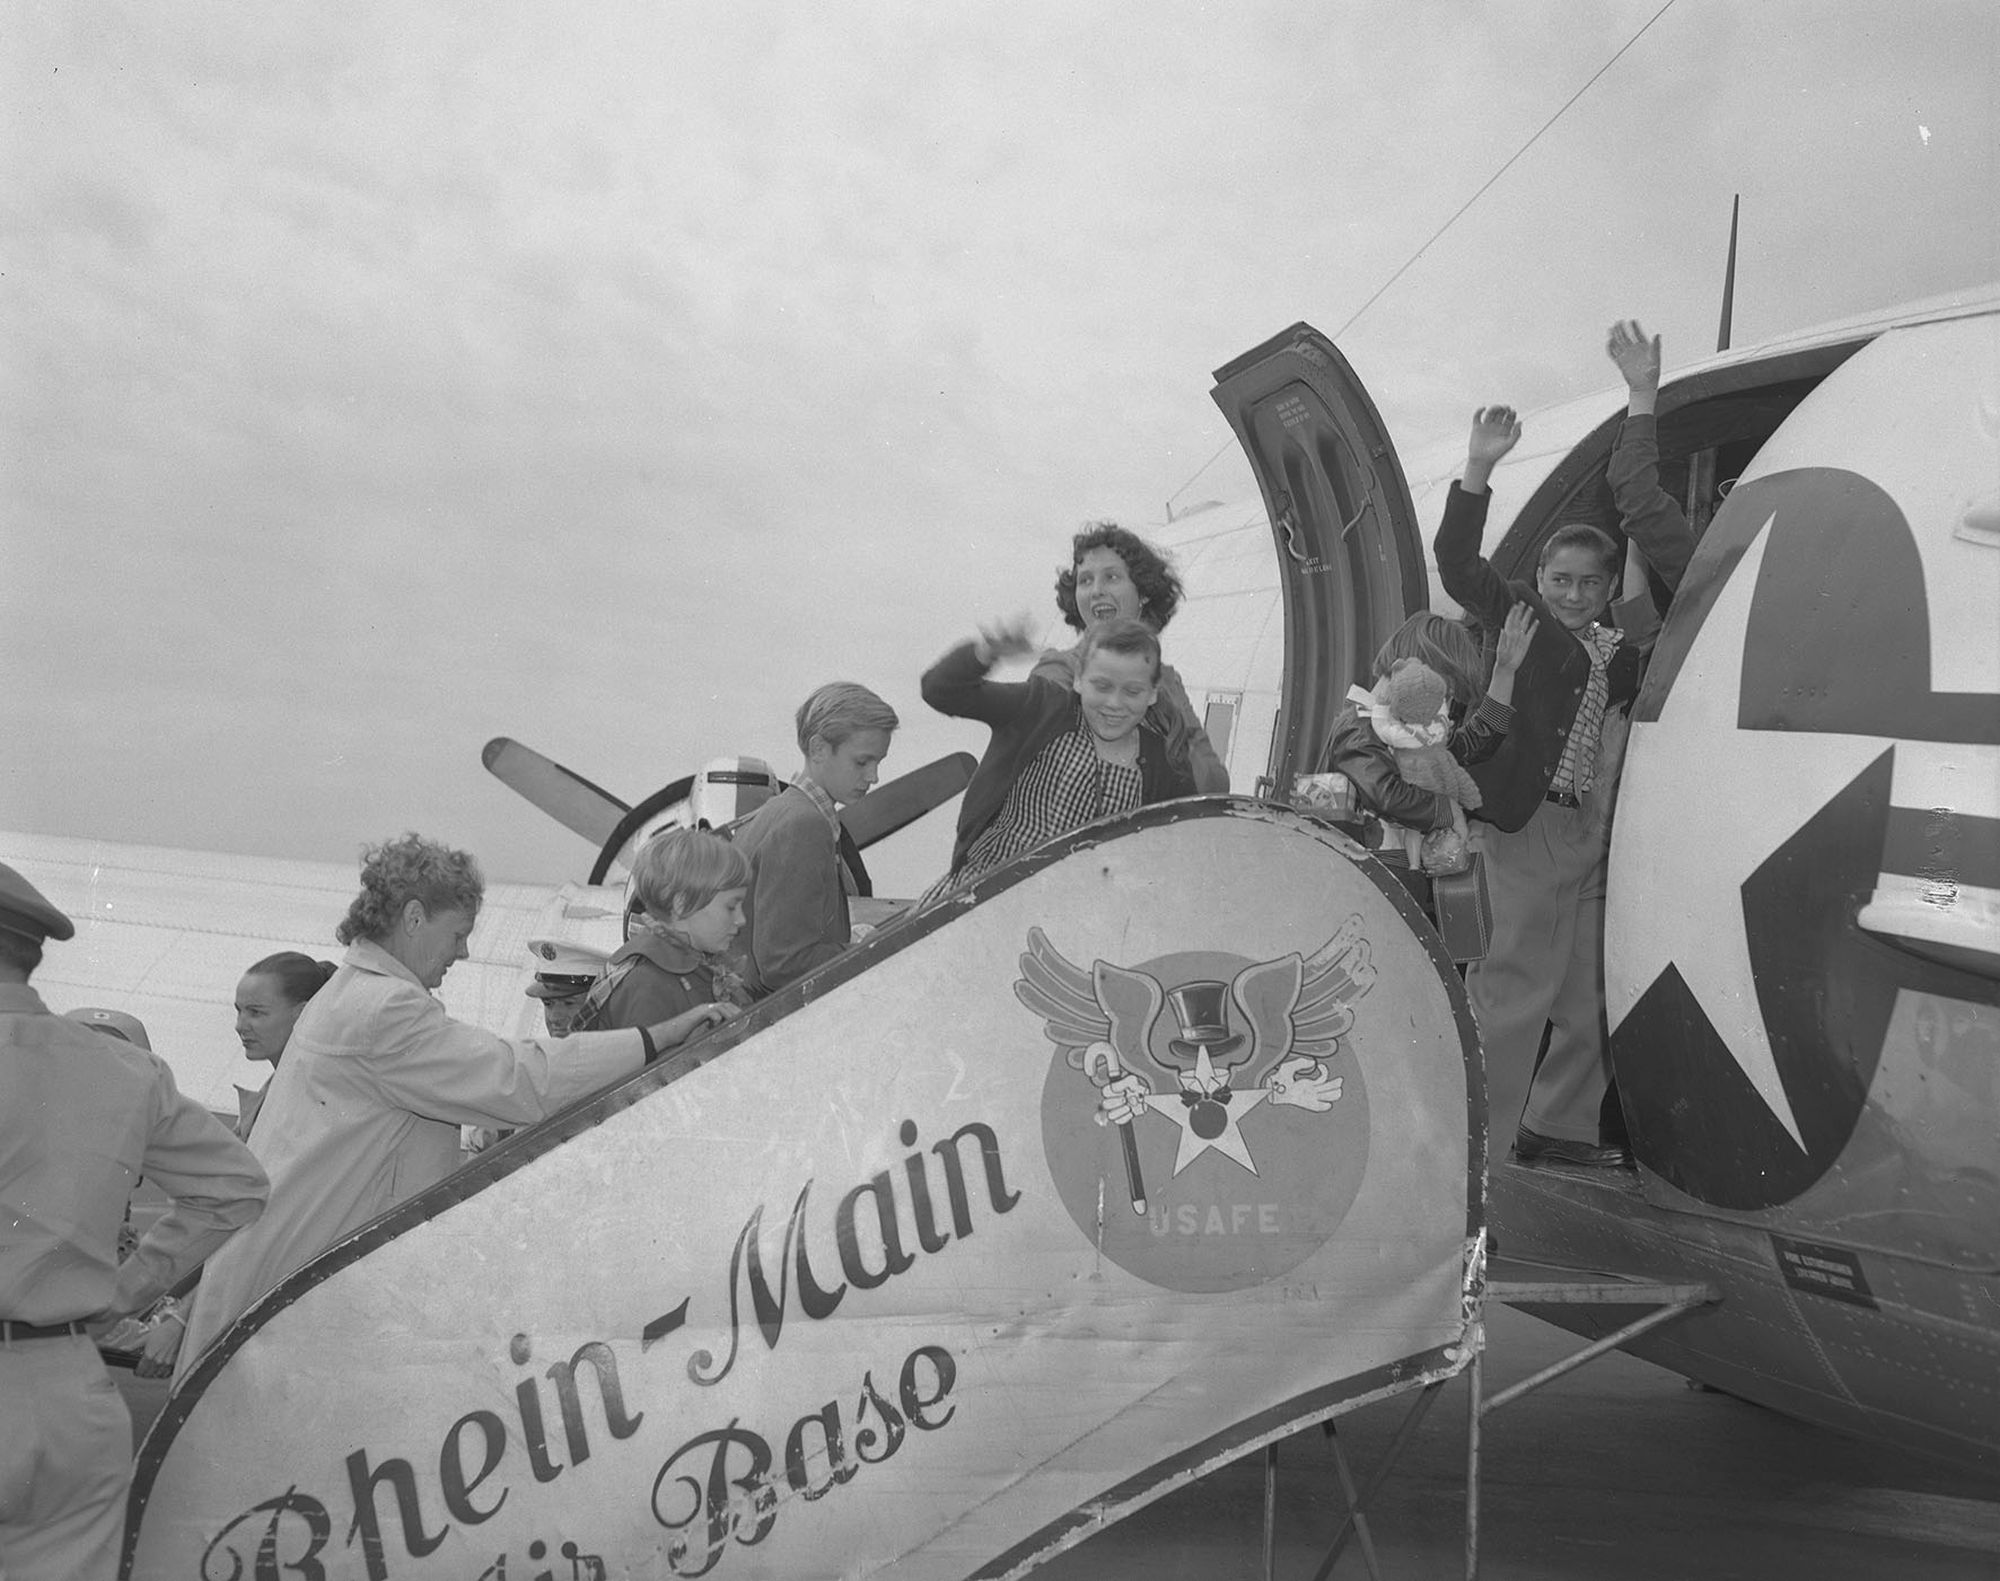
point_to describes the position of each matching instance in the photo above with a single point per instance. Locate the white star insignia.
(1703, 805)
(1230, 1143)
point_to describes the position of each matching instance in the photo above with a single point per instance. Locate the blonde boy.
(797, 918)
(689, 886)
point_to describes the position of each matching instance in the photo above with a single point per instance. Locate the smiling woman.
(365, 1110)
(1116, 575)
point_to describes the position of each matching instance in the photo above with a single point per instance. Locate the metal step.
(1523, 1284)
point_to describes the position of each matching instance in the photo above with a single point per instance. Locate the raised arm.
(1650, 516)
(1464, 572)
(1480, 735)
(957, 684)
(1517, 633)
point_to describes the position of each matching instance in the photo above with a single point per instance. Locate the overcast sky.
(382, 378)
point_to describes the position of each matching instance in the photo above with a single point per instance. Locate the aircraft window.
(1219, 720)
(1700, 500)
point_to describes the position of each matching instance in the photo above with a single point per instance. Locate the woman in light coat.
(366, 1108)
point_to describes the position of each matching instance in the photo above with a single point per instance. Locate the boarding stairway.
(1518, 1284)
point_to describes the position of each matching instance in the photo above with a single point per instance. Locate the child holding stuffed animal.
(1404, 745)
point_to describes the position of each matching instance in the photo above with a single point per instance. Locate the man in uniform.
(564, 971)
(127, 1029)
(82, 1115)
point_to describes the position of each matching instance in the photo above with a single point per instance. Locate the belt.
(1563, 798)
(12, 1329)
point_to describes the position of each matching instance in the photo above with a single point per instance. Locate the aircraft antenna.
(1530, 143)
(1379, 291)
(1198, 471)
(1729, 279)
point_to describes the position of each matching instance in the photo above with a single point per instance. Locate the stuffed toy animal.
(1410, 710)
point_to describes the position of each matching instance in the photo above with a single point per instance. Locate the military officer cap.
(23, 910)
(113, 1023)
(563, 967)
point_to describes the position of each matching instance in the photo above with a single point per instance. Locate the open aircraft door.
(1350, 557)
(1153, 1146)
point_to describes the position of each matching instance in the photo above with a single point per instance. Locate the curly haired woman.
(1116, 575)
(376, 1081)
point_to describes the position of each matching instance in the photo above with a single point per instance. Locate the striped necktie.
(1577, 772)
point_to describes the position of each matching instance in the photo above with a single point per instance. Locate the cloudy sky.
(376, 379)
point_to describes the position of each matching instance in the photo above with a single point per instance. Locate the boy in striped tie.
(1547, 791)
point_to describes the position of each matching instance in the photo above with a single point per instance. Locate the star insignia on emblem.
(1197, 1119)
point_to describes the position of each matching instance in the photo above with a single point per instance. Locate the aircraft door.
(1350, 558)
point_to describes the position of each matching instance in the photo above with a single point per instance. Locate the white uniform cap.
(563, 967)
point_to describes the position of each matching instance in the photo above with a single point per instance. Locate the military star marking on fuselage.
(1703, 839)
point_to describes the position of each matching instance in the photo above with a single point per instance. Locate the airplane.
(1801, 996)
(1803, 922)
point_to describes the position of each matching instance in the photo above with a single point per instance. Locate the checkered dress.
(1066, 786)
(1577, 772)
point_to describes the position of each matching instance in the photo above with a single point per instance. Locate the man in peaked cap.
(25, 913)
(564, 971)
(113, 1024)
(82, 1115)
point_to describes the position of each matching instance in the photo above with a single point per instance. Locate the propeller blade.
(564, 794)
(636, 819)
(907, 798)
(875, 816)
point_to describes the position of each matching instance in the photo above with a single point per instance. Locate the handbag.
(1463, 911)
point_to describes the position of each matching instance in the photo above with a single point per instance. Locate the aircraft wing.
(166, 935)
